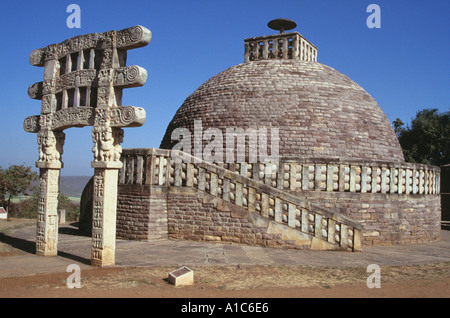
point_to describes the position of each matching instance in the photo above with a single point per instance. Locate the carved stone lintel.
(127, 116)
(129, 38)
(121, 116)
(31, 124)
(131, 76)
(35, 90)
(124, 77)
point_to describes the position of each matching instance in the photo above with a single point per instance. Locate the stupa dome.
(320, 112)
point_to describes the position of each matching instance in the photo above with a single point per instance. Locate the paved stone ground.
(75, 249)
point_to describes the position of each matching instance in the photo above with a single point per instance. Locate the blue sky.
(404, 65)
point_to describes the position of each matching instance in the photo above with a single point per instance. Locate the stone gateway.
(83, 81)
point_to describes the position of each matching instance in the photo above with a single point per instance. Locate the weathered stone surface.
(321, 245)
(280, 46)
(83, 81)
(125, 39)
(289, 234)
(104, 217)
(377, 212)
(47, 214)
(183, 276)
(320, 112)
(121, 116)
(341, 181)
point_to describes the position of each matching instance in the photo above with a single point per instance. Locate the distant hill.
(71, 186)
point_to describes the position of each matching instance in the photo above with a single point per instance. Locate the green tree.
(14, 181)
(427, 139)
(398, 126)
(28, 208)
(72, 208)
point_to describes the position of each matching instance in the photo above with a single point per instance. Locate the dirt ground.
(249, 281)
(236, 282)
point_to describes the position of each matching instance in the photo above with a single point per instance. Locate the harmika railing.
(160, 167)
(284, 46)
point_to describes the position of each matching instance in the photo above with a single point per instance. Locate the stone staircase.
(276, 213)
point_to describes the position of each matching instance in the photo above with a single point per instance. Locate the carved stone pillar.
(104, 213)
(49, 164)
(47, 218)
(106, 166)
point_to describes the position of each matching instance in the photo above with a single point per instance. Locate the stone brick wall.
(191, 219)
(141, 213)
(198, 216)
(388, 219)
(186, 213)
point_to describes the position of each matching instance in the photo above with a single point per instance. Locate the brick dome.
(320, 112)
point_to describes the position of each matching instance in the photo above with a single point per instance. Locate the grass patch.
(6, 226)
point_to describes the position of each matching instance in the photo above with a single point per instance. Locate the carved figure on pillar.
(50, 145)
(107, 142)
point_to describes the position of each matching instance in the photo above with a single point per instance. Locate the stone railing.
(280, 46)
(364, 177)
(159, 167)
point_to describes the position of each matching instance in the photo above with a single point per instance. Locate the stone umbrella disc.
(282, 24)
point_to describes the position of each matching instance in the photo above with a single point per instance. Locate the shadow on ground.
(29, 247)
(20, 244)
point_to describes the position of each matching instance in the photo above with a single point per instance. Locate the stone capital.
(106, 164)
(49, 165)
